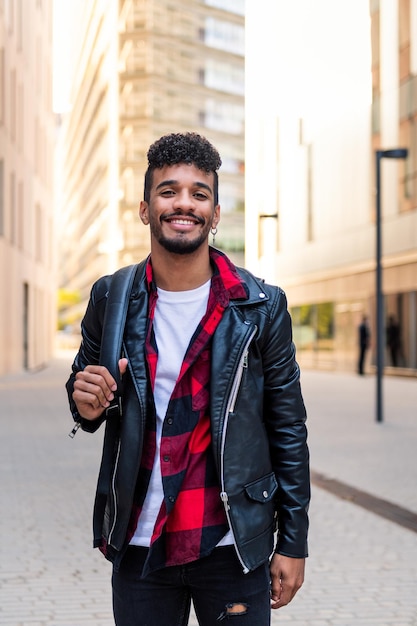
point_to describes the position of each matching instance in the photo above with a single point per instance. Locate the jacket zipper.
(116, 463)
(113, 490)
(230, 407)
(74, 430)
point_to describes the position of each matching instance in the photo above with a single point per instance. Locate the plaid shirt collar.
(225, 283)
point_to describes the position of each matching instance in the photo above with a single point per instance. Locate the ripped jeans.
(221, 593)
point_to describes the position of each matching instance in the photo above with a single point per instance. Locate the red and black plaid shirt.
(191, 520)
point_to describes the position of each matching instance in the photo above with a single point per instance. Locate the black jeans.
(216, 584)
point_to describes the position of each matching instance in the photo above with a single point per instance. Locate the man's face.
(181, 208)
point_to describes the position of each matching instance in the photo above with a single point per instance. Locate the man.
(364, 340)
(393, 340)
(210, 454)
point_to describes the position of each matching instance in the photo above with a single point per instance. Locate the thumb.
(123, 366)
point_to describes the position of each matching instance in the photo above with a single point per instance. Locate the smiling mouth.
(183, 221)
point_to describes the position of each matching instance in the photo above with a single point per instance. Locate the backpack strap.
(110, 351)
(113, 329)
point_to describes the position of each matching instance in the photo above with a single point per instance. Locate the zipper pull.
(245, 359)
(74, 430)
(225, 499)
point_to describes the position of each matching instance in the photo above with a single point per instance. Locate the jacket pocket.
(263, 489)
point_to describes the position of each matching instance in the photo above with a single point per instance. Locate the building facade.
(27, 256)
(146, 68)
(314, 154)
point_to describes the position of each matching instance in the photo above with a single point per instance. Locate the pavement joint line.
(393, 512)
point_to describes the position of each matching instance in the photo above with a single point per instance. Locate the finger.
(88, 402)
(99, 376)
(104, 373)
(284, 598)
(276, 602)
(287, 593)
(123, 366)
(282, 591)
(276, 591)
(93, 385)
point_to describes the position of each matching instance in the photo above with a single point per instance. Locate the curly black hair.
(176, 148)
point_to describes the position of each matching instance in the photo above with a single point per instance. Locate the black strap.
(113, 327)
(110, 352)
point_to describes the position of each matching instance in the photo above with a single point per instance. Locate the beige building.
(27, 276)
(145, 68)
(311, 152)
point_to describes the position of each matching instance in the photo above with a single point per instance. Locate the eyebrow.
(174, 182)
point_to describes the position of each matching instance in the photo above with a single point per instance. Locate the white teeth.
(178, 221)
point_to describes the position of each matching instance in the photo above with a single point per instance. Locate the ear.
(216, 216)
(144, 212)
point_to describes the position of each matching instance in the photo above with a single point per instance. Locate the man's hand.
(94, 389)
(287, 576)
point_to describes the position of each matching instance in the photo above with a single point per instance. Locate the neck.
(181, 272)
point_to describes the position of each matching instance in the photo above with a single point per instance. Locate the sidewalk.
(362, 568)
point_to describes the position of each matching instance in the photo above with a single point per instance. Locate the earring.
(214, 233)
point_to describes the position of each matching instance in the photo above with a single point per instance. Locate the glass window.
(224, 36)
(304, 330)
(224, 116)
(233, 6)
(313, 330)
(325, 326)
(224, 77)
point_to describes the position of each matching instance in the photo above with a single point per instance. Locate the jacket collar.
(256, 287)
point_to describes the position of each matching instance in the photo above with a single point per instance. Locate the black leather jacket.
(257, 423)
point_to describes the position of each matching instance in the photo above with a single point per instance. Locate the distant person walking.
(364, 341)
(393, 340)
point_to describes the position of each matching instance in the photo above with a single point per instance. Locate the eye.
(200, 196)
(167, 192)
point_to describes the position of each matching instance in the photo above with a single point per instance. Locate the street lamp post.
(397, 153)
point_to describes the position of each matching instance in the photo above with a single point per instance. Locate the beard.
(180, 243)
(182, 246)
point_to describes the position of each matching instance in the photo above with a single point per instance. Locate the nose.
(184, 200)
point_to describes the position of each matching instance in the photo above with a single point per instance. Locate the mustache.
(192, 216)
